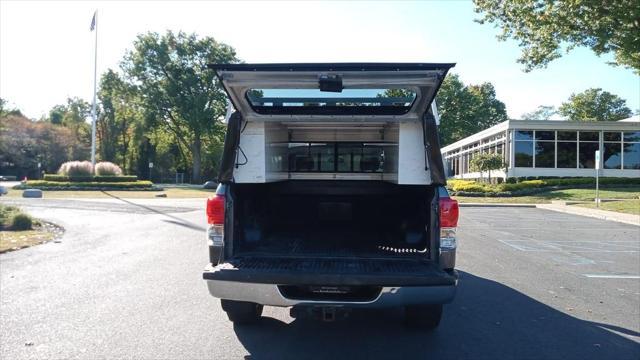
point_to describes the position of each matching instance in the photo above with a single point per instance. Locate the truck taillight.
(215, 218)
(215, 210)
(448, 222)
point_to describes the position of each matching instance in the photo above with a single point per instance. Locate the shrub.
(106, 168)
(6, 213)
(87, 185)
(121, 178)
(20, 221)
(466, 185)
(527, 184)
(76, 168)
(63, 178)
(471, 188)
(55, 177)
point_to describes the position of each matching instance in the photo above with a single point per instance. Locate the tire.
(423, 317)
(242, 312)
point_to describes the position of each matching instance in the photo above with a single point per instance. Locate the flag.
(93, 20)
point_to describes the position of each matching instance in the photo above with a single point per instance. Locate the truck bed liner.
(330, 271)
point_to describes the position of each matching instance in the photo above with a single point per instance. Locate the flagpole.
(95, 85)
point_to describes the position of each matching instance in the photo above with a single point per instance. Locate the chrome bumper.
(269, 294)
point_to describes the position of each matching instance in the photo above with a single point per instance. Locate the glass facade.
(553, 149)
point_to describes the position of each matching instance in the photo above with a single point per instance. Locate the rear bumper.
(262, 287)
(269, 294)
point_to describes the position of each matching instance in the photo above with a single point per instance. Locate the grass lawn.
(624, 206)
(566, 194)
(174, 193)
(14, 240)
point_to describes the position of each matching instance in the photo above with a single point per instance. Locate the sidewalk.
(480, 204)
(561, 206)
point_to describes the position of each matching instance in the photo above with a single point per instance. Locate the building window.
(524, 153)
(567, 149)
(612, 156)
(545, 149)
(631, 150)
(567, 135)
(587, 147)
(524, 135)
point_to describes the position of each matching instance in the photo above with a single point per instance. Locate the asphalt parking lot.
(125, 283)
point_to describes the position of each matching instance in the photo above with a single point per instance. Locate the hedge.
(469, 186)
(93, 185)
(97, 178)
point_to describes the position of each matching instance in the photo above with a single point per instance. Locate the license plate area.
(330, 293)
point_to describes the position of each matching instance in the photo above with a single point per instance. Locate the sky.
(46, 48)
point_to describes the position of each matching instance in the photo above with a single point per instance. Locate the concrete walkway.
(479, 204)
(594, 213)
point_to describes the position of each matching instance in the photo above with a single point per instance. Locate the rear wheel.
(242, 312)
(423, 317)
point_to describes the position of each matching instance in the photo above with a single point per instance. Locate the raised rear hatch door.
(349, 91)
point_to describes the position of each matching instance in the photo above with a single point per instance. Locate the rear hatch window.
(299, 92)
(315, 101)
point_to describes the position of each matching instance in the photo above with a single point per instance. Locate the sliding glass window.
(334, 157)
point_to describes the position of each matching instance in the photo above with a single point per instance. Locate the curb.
(496, 205)
(593, 213)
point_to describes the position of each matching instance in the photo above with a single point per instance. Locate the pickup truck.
(331, 192)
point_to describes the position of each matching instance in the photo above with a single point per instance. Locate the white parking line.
(606, 276)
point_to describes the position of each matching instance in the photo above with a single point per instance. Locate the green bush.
(55, 177)
(59, 185)
(20, 221)
(6, 213)
(528, 184)
(471, 188)
(531, 185)
(120, 178)
(97, 178)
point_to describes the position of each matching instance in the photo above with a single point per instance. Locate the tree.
(180, 95)
(486, 162)
(396, 93)
(119, 120)
(542, 28)
(25, 143)
(73, 115)
(56, 114)
(5, 111)
(465, 110)
(595, 105)
(543, 112)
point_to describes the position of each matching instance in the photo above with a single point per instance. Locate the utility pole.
(94, 26)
